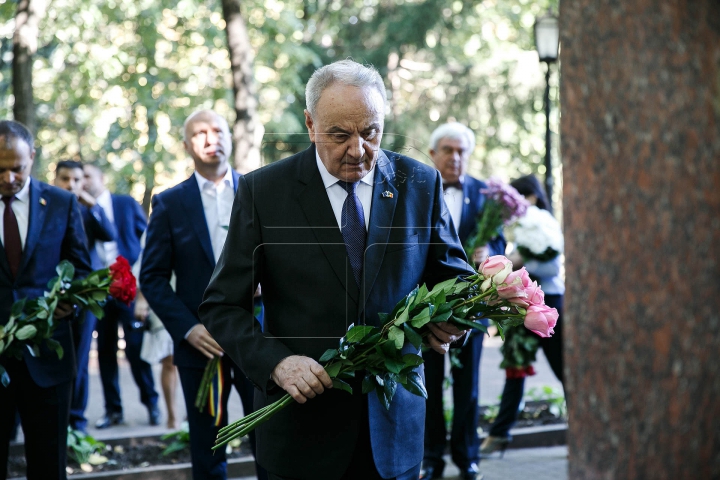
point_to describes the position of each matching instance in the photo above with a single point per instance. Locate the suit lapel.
(382, 211)
(192, 201)
(316, 206)
(36, 219)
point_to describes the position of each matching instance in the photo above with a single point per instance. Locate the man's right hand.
(86, 199)
(302, 377)
(201, 339)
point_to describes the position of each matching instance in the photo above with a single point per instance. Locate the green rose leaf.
(368, 385)
(357, 333)
(17, 308)
(382, 396)
(412, 360)
(55, 345)
(329, 354)
(402, 318)
(412, 336)
(393, 365)
(415, 385)
(99, 295)
(25, 332)
(65, 270)
(333, 369)
(390, 387)
(96, 310)
(337, 383)
(421, 319)
(396, 335)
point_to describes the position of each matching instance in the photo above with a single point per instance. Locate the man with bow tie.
(186, 235)
(450, 147)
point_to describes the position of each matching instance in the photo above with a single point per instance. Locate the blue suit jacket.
(130, 223)
(472, 208)
(283, 234)
(55, 233)
(97, 228)
(178, 240)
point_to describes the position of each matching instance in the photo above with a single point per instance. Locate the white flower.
(537, 231)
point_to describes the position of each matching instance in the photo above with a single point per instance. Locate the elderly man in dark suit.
(450, 147)
(129, 220)
(186, 235)
(335, 234)
(41, 226)
(69, 176)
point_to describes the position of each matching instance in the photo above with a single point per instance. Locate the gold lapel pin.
(387, 194)
(43, 202)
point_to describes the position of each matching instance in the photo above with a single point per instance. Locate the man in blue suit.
(69, 176)
(41, 226)
(186, 235)
(130, 223)
(450, 147)
(335, 234)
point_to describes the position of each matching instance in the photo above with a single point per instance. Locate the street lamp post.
(547, 36)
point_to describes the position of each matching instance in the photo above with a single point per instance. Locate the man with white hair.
(450, 147)
(335, 234)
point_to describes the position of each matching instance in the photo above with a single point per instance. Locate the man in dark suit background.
(450, 147)
(69, 176)
(186, 235)
(41, 226)
(335, 235)
(130, 223)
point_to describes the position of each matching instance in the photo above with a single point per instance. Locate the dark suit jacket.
(55, 233)
(97, 228)
(178, 240)
(283, 234)
(130, 223)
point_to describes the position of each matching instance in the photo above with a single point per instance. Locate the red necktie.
(11, 231)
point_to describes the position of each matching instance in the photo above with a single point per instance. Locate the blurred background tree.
(113, 80)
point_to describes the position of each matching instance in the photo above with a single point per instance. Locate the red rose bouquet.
(31, 322)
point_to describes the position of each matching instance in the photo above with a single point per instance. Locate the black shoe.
(154, 415)
(109, 420)
(471, 473)
(430, 473)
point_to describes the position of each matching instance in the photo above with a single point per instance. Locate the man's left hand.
(442, 335)
(63, 309)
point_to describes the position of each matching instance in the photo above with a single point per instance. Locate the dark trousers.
(107, 344)
(514, 387)
(362, 464)
(206, 464)
(44, 419)
(82, 337)
(464, 440)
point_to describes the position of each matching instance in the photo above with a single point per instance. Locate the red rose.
(123, 286)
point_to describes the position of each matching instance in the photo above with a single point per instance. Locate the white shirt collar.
(202, 181)
(105, 198)
(329, 180)
(24, 194)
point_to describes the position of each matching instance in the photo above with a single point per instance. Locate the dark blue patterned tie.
(353, 228)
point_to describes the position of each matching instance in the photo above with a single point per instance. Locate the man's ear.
(310, 126)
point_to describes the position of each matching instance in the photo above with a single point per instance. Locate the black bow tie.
(457, 185)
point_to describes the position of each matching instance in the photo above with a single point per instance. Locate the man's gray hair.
(454, 131)
(347, 72)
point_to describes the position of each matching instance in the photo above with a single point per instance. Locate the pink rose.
(514, 287)
(541, 319)
(535, 295)
(522, 274)
(496, 266)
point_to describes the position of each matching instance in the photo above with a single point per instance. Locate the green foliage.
(179, 440)
(115, 79)
(83, 448)
(554, 397)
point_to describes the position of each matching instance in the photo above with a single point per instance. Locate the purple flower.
(513, 205)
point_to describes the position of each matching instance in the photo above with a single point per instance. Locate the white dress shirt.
(337, 194)
(21, 207)
(217, 203)
(454, 199)
(107, 251)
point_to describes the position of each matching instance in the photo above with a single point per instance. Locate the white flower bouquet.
(538, 235)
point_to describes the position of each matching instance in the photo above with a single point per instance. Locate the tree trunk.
(245, 129)
(640, 142)
(25, 44)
